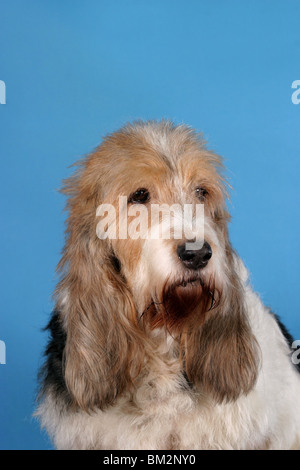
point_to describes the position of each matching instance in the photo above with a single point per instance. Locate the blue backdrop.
(76, 70)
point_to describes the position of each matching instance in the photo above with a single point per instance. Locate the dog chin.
(181, 304)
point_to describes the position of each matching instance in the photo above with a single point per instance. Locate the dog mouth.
(189, 282)
(192, 287)
(180, 302)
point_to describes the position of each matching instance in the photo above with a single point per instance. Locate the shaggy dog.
(159, 342)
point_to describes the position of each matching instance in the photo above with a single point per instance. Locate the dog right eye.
(141, 196)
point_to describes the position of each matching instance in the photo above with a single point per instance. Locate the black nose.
(195, 259)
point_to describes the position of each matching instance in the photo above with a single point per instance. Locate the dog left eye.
(201, 193)
(141, 196)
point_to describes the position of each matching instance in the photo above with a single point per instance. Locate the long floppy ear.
(104, 344)
(222, 356)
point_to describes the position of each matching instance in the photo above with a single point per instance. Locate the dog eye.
(141, 196)
(201, 193)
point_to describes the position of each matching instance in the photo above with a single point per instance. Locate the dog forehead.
(156, 176)
(154, 155)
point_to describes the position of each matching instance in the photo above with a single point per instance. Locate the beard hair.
(181, 304)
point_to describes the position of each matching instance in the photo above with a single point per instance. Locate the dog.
(160, 342)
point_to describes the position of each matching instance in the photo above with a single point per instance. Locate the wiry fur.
(143, 353)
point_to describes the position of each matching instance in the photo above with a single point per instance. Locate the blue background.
(76, 70)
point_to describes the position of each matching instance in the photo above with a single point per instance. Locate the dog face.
(119, 288)
(169, 282)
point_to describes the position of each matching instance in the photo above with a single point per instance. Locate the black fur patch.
(289, 338)
(51, 374)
